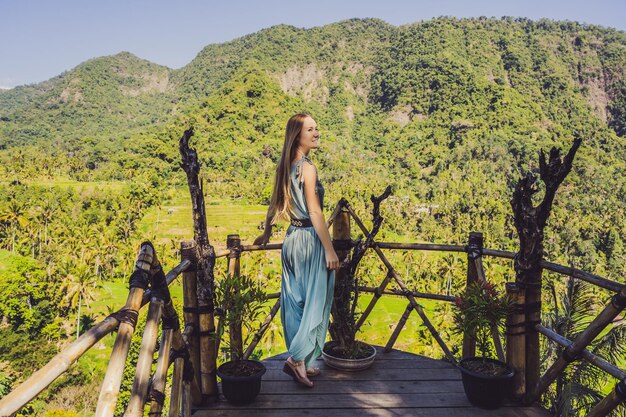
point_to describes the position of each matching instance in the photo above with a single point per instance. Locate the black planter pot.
(486, 391)
(241, 389)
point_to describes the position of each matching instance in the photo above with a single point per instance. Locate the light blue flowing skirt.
(306, 293)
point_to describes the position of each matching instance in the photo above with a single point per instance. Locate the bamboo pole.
(593, 359)
(39, 380)
(179, 347)
(398, 329)
(157, 389)
(474, 250)
(421, 246)
(176, 396)
(582, 275)
(113, 377)
(516, 343)
(418, 308)
(190, 305)
(269, 246)
(565, 270)
(573, 351)
(144, 362)
(235, 333)
(415, 294)
(338, 209)
(259, 334)
(608, 404)
(186, 406)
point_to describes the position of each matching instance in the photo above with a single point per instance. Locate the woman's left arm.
(309, 175)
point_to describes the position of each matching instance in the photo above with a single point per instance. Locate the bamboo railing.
(123, 320)
(184, 349)
(517, 324)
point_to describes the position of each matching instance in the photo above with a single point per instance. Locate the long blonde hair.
(281, 205)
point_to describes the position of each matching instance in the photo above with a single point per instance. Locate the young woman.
(308, 257)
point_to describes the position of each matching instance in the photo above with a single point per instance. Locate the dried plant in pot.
(480, 312)
(241, 299)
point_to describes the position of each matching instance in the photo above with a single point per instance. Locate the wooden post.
(474, 251)
(516, 340)
(113, 378)
(233, 243)
(144, 362)
(341, 242)
(530, 222)
(190, 303)
(205, 288)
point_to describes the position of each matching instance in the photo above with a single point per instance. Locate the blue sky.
(42, 38)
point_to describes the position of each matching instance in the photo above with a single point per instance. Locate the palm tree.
(14, 215)
(580, 386)
(80, 285)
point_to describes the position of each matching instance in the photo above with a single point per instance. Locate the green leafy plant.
(241, 300)
(479, 310)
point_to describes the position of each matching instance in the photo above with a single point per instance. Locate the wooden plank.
(393, 354)
(355, 400)
(365, 387)
(378, 363)
(383, 412)
(374, 374)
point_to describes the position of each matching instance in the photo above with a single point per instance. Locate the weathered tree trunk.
(530, 222)
(204, 273)
(346, 297)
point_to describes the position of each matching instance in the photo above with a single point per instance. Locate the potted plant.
(480, 312)
(344, 351)
(241, 300)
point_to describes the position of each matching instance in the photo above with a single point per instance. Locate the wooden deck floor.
(397, 384)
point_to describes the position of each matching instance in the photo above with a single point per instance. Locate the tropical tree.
(581, 385)
(79, 286)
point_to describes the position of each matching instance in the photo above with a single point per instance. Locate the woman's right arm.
(267, 231)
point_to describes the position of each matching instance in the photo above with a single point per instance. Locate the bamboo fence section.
(415, 294)
(113, 377)
(392, 273)
(575, 349)
(39, 380)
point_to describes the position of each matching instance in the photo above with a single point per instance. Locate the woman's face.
(309, 135)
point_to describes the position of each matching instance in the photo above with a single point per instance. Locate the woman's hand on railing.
(262, 240)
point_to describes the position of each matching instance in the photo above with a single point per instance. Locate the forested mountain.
(448, 111)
